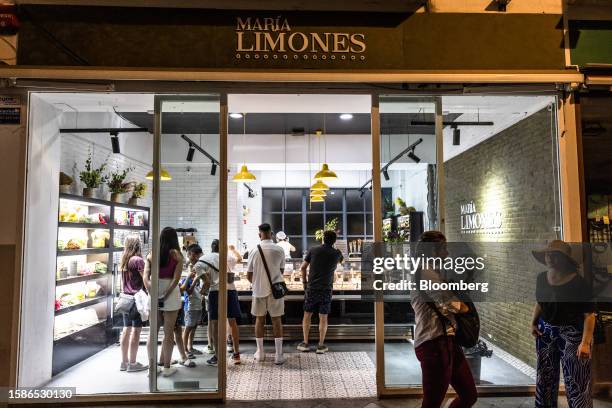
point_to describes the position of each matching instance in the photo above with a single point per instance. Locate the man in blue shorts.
(318, 284)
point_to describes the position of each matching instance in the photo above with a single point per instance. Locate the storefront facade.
(588, 26)
(221, 53)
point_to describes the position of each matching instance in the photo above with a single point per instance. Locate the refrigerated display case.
(89, 243)
(351, 317)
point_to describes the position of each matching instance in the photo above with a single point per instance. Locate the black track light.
(361, 193)
(115, 142)
(386, 174)
(190, 153)
(413, 156)
(213, 169)
(456, 136)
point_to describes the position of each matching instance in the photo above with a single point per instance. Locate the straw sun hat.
(556, 246)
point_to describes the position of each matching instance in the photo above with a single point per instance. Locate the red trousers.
(443, 364)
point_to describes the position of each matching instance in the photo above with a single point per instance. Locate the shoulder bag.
(125, 303)
(279, 289)
(467, 331)
(230, 275)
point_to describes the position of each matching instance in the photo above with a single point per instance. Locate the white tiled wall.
(191, 200)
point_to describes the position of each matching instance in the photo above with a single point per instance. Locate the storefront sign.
(10, 110)
(274, 37)
(297, 40)
(473, 222)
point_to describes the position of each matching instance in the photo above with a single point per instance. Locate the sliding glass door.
(189, 194)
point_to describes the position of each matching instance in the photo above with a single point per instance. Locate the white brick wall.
(191, 200)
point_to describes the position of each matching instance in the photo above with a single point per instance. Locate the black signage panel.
(180, 38)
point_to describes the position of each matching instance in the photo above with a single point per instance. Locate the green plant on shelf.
(92, 176)
(331, 225)
(116, 181)
(139, 190)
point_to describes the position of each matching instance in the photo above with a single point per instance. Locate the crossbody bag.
(467, 331)
(230, 275)
(279, 289)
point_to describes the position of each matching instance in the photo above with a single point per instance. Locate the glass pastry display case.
(90, 237)
(351, 317)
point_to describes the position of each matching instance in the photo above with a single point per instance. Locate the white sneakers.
(260, 356)
(167, 372)
(279, 359)
(132, 367)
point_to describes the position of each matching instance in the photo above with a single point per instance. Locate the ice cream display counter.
(351, 317)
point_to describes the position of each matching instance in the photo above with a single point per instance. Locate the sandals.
(188, 363)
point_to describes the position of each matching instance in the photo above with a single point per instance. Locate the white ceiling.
(504, 111)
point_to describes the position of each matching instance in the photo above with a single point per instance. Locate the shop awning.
(392, 6)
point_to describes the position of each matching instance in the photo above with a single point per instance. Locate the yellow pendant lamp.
(163, 175)
(316, 199)
(319, 193)
(325, 174)
(244, 176)
(319, 185)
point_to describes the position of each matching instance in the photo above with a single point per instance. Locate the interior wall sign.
(474, 222)
(10, 110)
(274, 38)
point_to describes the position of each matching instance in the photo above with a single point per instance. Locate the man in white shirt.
(207, 267)
(282, 241)
(263, 301)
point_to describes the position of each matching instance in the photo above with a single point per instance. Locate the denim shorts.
(132, 319)
(192, 317)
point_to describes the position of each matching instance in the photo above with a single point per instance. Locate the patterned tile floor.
(304, 375)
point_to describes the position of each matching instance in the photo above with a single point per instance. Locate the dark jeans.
(443, 363)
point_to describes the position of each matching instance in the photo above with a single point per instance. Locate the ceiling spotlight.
(361, 193)
(235, 115)
(346, 116)
(456, 136)
(386, 174)
(115, 142)
(414, 157)
(190, 153)
(213, 169)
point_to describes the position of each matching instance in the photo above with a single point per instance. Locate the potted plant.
(138, 191)
(403, 208)
(116, 183)
(331, 225)
(92, 176)
(65, 182)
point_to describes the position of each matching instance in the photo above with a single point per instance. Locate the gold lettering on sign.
(274, 35)
(358, 40)
(341, 42)
(292, 43)
(324, 46)
(273, 44)
(240, 46)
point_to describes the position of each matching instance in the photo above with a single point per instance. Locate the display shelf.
(86, 251)
(131, 227)
(80, 278)
(128, 207)
(85, 200)
(80, 331)
(81, 305)
(82, 225)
